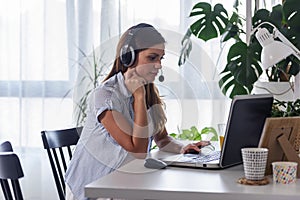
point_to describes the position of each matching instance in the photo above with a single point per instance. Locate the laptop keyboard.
(215, 155)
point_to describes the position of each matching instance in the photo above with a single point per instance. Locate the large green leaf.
(229, 86)
(243, 62)
(294, 66)
(276, 16)
(260, 16)
(211, 23)
(291, 13)
(242, 69)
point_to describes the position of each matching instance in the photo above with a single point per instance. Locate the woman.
(125, 113)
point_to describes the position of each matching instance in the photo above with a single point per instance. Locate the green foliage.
(286, 19)
(194, 134)
(243, 66)
(242, 69)
(286, 108)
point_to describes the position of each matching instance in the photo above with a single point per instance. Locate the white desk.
(134, 181)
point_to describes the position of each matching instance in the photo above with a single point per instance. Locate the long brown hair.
(145, 36)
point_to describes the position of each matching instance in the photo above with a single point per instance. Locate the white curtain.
(33, 69)
(39, 42)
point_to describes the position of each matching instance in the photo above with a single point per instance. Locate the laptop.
(244, 127)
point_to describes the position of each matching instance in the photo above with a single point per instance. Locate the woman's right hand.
(195, 147)
(134, 82)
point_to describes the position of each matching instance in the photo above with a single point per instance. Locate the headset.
(127, 52)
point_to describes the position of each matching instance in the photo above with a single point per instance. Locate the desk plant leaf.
(190, 134)
(208, 130)
(194, 134)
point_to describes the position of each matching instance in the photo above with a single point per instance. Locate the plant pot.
(281, 90)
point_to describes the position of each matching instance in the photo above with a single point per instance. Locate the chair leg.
(17, 189)
(6, 190)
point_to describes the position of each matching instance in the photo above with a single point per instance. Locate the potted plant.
(243, 66)
(286, 108)
(194, 134)
(92, 69)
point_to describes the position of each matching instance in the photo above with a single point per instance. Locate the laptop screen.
(245, 123)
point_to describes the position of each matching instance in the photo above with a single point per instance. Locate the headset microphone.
(161, 77)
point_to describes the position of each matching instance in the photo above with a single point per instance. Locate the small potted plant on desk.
(193, 134)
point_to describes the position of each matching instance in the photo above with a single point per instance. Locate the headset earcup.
(127, 55)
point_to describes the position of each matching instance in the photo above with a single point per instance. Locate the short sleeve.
(105, 99)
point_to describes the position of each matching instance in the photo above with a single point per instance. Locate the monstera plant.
(243, 66)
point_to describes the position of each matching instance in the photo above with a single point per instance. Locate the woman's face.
(149, 62)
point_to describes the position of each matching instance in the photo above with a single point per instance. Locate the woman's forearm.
(140, 130)
(169, 144)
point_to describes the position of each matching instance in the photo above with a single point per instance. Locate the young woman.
(125, 113)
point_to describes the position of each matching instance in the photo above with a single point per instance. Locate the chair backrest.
(58, 144)
(11, 171)
(6, 147)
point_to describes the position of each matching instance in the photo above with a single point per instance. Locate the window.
(39, 53)
(37, 67)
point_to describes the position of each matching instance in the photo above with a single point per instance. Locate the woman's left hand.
(194, 146)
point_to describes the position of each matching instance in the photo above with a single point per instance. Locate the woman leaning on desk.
(125, 113)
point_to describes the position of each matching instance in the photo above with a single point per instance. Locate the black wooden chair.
(10, 173)
(58, 144)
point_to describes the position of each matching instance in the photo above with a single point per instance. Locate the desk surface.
(134, 181)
